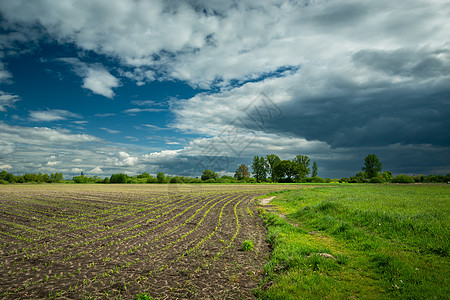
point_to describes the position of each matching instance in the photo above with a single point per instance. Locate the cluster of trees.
(271, 168)
(6, 177)
(371, 173)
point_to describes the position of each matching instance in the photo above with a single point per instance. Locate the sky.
(119, 86)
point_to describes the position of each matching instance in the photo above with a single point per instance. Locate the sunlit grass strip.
(396, 236)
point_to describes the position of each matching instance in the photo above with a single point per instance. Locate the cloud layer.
(332, 79)
(208, 42)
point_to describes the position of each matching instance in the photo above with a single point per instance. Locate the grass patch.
(247, 246)
(365, 241)
(144, 296)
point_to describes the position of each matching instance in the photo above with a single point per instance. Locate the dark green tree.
(259, 167)
(208, 174)
(301, 163)
(272, 160)
(387, 176)
(314, 170)
(46, 178)
(285, 170)
(160, 177)
(372, 166)
(242, 172)
(118, 178)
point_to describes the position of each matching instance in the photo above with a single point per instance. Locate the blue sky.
(180, 86)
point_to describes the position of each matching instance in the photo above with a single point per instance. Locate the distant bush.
(176, 179)
(195, 180)
(4, 182)
(221, 180)
(418, 178)
(314, 179)
(377, 180)
(403, 179)
(208, 174)
(118, 178)
(434, 178)
(152, 180)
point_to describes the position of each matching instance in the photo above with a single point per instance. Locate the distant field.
(360, 241)
(117, 241)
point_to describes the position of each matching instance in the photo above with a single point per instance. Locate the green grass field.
(359, 241)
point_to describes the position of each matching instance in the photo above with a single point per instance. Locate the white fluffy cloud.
(95, 77)
(122, 158)
(40, 136)
(41, 149)
(5, 75)
(212, 42)
(6, 148)
(100, 81)
(52, 115)
(7, 100)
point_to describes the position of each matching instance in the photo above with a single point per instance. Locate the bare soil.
(117, 241)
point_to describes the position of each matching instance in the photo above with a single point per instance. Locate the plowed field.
(117, 241)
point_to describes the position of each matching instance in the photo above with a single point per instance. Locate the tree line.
(6, 177)
(269, 168)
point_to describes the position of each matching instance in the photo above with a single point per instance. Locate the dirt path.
(266, 201)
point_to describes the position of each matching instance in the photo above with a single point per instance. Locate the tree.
(285, 170)
(242, 172)
(387, 176)
(301, 163)
(118, 178)
(208, 174)
(46, 178)
(259, 167)
(372, 166)
(402, 179)
(160, 177)
(314, 170)
(272, 160)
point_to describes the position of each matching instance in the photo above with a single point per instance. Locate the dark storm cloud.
(406, 62)
(382, 118)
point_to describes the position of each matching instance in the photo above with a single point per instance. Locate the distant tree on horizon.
(285, 170)
(208, 174)
(160, 177)
(314, 170)
(116, 178)
(301, 163)
(272, 160)
(259, 167)
(372, 166)
(242, 172)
